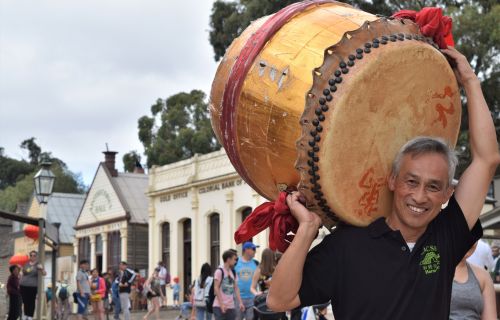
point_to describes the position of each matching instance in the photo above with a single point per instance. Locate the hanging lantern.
(19, 259)
(31, 231)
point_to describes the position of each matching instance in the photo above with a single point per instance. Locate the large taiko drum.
(321, 96)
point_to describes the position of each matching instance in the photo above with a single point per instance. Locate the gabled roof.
(131, 189)
(65, 208)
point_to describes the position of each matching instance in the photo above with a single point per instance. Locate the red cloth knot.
(432, 24)
(275, 215)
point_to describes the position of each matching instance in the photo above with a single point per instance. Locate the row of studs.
(313, 159)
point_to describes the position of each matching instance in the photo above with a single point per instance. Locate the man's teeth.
(416, 209)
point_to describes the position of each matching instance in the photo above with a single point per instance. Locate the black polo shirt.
(370, 273)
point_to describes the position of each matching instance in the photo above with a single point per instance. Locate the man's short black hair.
(13, 267)
(124, 262)
(83, 262)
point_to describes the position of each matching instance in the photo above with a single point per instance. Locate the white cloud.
(78, 74)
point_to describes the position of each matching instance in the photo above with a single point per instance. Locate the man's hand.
(461, 67)
(223, 308)
(242, 307)
(295, 202)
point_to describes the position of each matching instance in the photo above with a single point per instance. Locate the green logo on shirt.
(430, 259)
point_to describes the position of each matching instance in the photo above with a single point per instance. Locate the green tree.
(12, 170)
(33, 149)
(130, 160)
(178, 128)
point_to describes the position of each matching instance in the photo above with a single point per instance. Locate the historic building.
(113, 223)
(195, 207)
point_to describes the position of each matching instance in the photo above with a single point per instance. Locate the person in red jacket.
(14, 293)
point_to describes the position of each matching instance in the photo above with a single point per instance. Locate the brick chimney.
(138, 168)
(109, 162)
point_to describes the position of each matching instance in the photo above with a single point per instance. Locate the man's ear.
(391, 182)
(448, 193)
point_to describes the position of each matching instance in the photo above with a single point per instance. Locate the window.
(114, 250)
(214, 241)
(165, 244)
(98, 244)
(84, 249)
(244, 214)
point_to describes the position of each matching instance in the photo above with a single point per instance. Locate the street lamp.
(44, 182)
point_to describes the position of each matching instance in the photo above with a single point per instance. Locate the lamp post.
(44, 182)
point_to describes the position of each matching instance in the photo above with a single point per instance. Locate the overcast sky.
(79, 74)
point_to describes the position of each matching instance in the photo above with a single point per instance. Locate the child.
(186, 311)
(14, 293)
(176, 287)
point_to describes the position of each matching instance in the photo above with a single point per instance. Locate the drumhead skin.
(381, 86)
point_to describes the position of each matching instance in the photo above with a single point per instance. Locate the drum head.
(381, 86)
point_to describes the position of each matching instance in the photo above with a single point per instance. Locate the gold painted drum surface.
(335, 92)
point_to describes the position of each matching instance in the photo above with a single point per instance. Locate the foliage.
(16, 176)
(130, 161)
(177, 129)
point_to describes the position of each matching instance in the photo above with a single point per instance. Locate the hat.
(249, 245)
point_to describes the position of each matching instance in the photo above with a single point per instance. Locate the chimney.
(138, 168)
(109, 162)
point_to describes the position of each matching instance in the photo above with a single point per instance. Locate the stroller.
(262, 312)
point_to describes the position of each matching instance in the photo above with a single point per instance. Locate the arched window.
(165, 244)
(214, 240)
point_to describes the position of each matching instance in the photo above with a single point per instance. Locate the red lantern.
(31, 231)
(19, 259)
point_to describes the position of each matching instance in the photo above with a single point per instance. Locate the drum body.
(317, 87)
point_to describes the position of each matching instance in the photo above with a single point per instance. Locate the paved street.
(164, 314)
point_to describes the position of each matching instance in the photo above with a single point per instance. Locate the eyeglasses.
(32, 255)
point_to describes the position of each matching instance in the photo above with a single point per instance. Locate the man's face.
(249, 253)
(495, 251)
(122, 267)
(420, 188)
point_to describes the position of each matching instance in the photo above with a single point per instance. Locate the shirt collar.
(379, 228)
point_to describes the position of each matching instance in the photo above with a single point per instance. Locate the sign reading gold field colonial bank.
(205, 189)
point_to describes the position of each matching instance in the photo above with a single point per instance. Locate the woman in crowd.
(29, 284)
(154, 294)
(200, 293)
(260, 285)
(98, 287)
(473, 294)
(14, 293)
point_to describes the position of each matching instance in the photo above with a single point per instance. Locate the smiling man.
(413, 252)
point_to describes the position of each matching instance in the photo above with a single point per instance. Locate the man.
(63, 303)
(482, 256)
(245, 268)
(162, 275)
(413, 252)
(126, 280)
(225, 286)
(82, 288)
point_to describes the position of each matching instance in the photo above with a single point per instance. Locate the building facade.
(195, 207)
(113, 223)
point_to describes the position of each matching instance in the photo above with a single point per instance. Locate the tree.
(178, 128)
(33, 149)
(130, 161)
(16, 176)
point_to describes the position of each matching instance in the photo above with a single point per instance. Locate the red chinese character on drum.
(442, 110)
(371, 187)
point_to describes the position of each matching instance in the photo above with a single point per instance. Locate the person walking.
(154, 294)
(201, 289)
(29, 284)
(14, 292)
(225, 286)
(115, 294)
(126, 280)
(63, 303)
(164, 281)
(245, 269)
(82, 289)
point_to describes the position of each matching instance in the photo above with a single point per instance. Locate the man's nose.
(420, 194)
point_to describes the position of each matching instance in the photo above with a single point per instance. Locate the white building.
(195, 207)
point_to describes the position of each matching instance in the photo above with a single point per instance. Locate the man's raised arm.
(473, 185)
(287, 278)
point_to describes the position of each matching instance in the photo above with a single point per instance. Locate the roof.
(131, 189)
(65, 208)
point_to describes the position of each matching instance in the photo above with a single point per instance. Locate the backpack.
(211, 293)
(63, 293)
(199, 294)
